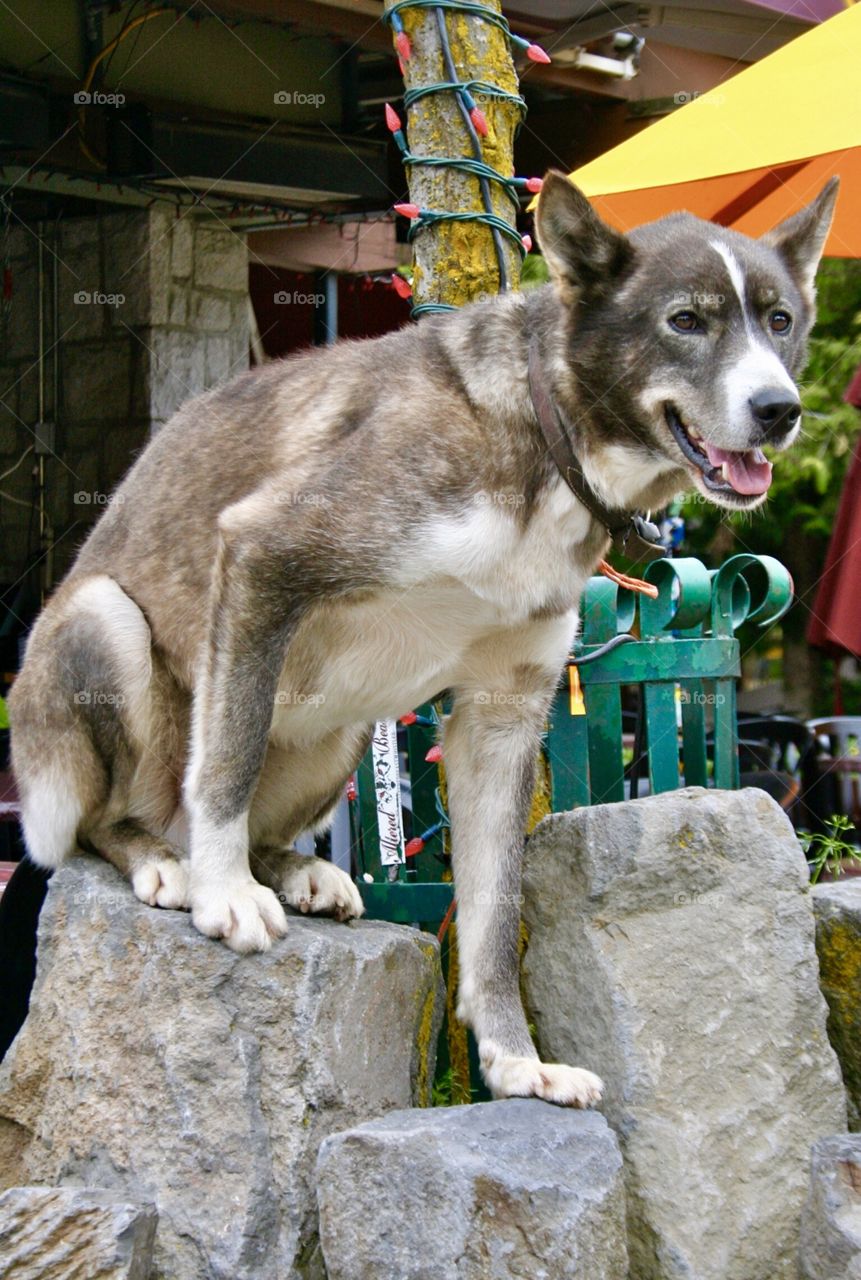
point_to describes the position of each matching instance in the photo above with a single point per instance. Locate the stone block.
(161, 1065)
(671, 950)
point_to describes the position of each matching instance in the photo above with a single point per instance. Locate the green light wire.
(425, 308)
(472, 86)
(462, 6)
(429, 218)
(477, 168)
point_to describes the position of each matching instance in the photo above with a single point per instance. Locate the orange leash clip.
(623, 580)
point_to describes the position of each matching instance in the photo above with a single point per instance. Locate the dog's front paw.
(242, 912)
(511, 1077)
(162, 882)
(315, 886)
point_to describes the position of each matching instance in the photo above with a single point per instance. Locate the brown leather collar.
(633, 536)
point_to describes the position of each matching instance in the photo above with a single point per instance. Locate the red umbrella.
(836, 622)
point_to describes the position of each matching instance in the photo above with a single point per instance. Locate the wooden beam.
(359, 29)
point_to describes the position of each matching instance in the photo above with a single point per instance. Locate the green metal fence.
(681, 650)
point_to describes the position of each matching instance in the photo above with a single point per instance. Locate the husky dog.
(333, 539)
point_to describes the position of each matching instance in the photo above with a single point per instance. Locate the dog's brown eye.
(780, 322)
(684, 321)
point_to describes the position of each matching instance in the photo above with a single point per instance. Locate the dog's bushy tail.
(87, 664)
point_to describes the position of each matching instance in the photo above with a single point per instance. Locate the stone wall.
(152, 308)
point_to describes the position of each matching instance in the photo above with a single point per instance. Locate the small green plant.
(448, 1092)
(829, 852)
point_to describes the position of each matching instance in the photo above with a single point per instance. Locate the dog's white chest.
(460, 581)
(518, 567)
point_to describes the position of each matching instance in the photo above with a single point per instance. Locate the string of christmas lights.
(402, 40)
(476, 126)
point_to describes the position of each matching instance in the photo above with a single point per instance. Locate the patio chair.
(838, 767)
(782, 762)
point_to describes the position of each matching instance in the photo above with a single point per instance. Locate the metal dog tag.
(640, 540)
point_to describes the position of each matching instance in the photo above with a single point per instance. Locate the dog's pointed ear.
(580, 250)
(800, 239)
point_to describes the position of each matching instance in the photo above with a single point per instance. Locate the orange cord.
(623, 580)
(446, 920)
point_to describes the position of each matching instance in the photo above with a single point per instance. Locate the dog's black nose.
(776, 411)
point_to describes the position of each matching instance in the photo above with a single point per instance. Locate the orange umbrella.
(752, 150)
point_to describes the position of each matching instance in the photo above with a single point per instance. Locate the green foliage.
(534, 271)
(447, 1092)
(4, 714)
(829, 852)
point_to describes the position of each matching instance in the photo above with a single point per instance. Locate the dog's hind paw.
(245, 914)
(162, 882)
(511, 1077)
(314, 886)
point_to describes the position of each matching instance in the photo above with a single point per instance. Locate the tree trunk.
(455, 262)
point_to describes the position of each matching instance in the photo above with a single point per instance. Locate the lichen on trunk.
(455, 262)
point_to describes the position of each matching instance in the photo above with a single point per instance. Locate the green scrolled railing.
(684, 638)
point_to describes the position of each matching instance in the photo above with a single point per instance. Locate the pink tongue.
(748, 472)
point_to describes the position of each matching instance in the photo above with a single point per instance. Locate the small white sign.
(387, 784)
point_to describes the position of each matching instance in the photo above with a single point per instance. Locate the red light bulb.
(479, 120)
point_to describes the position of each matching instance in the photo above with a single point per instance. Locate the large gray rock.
(56, 1233)
(838, 943)
(671, 950)
(497, 1190)
(160, 1064)
(831, 1225)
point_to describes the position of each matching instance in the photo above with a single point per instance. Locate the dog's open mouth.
(745, 473)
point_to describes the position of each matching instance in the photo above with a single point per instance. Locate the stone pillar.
(152, 309)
